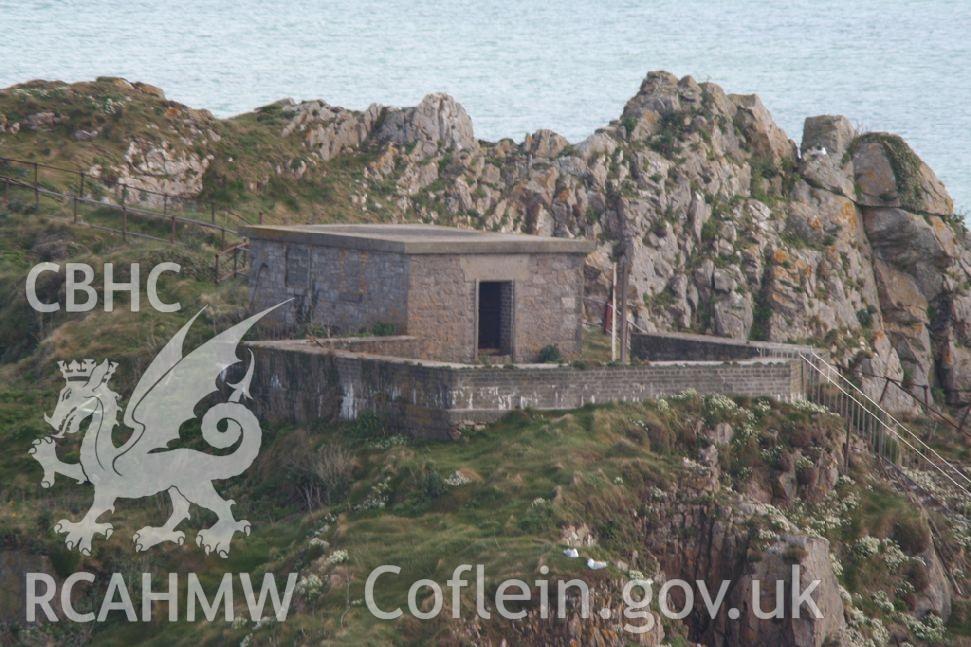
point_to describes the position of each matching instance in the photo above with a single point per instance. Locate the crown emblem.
(76, 370)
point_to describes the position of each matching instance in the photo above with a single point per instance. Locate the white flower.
(882, 601)
(337, 557)
(866, 546)
(309, 586)
(456, 479)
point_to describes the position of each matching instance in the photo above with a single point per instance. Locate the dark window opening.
(495, 317)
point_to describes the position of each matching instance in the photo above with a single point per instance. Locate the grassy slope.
(246, 150)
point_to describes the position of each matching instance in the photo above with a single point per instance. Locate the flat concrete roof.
(418, 239)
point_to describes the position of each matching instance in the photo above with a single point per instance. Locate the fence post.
(124, 214)
(77, 195)
(235, 261)
(261, 216)
(624, 330)
(215, 269)
(36, 189)
(165, 211)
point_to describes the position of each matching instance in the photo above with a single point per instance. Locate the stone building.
(462, 295)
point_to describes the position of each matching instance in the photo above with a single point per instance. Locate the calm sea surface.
(891, 65)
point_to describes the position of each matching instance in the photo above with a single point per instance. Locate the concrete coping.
(418, 239)
(307, 346)
(361, 339)
(728, 341)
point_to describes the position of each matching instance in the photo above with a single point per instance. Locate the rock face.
(438, 122)
(848, 241)
(151, 168)
(721, 545)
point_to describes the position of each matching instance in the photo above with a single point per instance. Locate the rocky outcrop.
(699, 538)
(848, 241)
(328, 131)
(729, 228)
(152, 169)
(435, 124)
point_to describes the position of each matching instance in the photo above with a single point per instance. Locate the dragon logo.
(164, 398)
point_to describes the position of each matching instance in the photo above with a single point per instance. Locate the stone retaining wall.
(688, 347)
(299, 383)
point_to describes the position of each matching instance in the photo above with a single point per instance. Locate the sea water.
(892, 65)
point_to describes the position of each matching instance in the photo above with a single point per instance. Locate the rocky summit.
(846, 240)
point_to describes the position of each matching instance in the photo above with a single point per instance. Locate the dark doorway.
(495, 317)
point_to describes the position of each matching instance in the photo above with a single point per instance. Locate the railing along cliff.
(890, 440)
(130, 203)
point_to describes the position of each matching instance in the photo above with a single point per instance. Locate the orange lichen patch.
(848, 212)
(947, 356)
(780, 256)
(938, 224)
(172, 112)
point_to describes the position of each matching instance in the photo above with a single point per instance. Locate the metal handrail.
(866, 411)
(891, 417)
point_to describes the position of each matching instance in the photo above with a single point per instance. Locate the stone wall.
(299, 383)
(343, 290)
(429, 296)
(688, 347)
(547, 292)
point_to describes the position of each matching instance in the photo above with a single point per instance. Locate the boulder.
(438, 122)
(830, 135)
(924, 247)
(545, 144)
(779, 562)
(764, 137)
(41, 120)
(889, 174)
(733, 316)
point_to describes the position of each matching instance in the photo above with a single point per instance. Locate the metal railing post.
(36, 189)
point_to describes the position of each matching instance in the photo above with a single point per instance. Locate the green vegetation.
(904, 162)
(672, 128)
(254, 169)
(550, 355)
